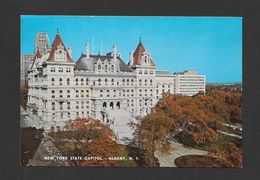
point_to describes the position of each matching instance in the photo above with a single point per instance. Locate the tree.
(151, 135)
(191, 114)
(23, 95)
(194, 120)
(230, 157)
(91, 138)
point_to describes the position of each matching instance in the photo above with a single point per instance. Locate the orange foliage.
(231, 157)
(23, 95)
(92, 139)
(150, 135)
(197, 116)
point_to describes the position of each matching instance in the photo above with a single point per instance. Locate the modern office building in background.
(40, 43)
(101, 86)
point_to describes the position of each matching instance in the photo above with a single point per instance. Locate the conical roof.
(57, 41)
(138, 54)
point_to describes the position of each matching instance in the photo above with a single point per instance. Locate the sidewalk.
(178, 150)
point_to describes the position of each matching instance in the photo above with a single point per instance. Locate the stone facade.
(98, 86)
(25, 62)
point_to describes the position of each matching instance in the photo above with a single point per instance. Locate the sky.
(209, 45)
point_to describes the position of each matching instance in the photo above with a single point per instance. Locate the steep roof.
(138, 54)
(36, 56)
(57, 41)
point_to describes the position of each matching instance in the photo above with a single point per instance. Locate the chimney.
(131, 58)
(70, 51)
(87, 51)
(114, 52)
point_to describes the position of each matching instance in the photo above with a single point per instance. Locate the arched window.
(68, 93)
(111, 105)
(87, 81)
(53, 105)
(52, 94)
(82, 93)
(52, 81)
(118, 105)
(60, 81)
(99, 67)
(99, 81)
(112, 81)
(112, 68)
(68, 105)
(82, 81)
(61, 105)
(151, 82)
(61, 93)
(68, 81)
(77, 93)
(104, 104)
(77, 80)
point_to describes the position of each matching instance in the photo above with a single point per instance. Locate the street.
(177, 151)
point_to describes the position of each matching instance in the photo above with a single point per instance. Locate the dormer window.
(60, 53)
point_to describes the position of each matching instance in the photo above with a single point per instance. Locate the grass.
(195, 161)
(123, 151)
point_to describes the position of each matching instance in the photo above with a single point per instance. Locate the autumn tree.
(192, 116)
(231, 156)
(230, 103)
(91, 138)
(151, 135)
(195, 119)
(23, 95)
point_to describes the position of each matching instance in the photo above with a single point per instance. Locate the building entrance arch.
(111, 105)
(118, 105)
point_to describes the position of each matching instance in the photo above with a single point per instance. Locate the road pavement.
(177, 151)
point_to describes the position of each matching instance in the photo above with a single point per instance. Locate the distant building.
(25, 62)
(100, 86)
(41, 42)
(189, 83)
(228, 87)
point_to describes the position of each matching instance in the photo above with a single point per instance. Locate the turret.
(131, 62)
(70, 51)
(87, 50)
(114, 52)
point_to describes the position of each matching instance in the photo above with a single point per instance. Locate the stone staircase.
(121, 119)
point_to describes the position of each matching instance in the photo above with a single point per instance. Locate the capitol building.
(101, 86)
